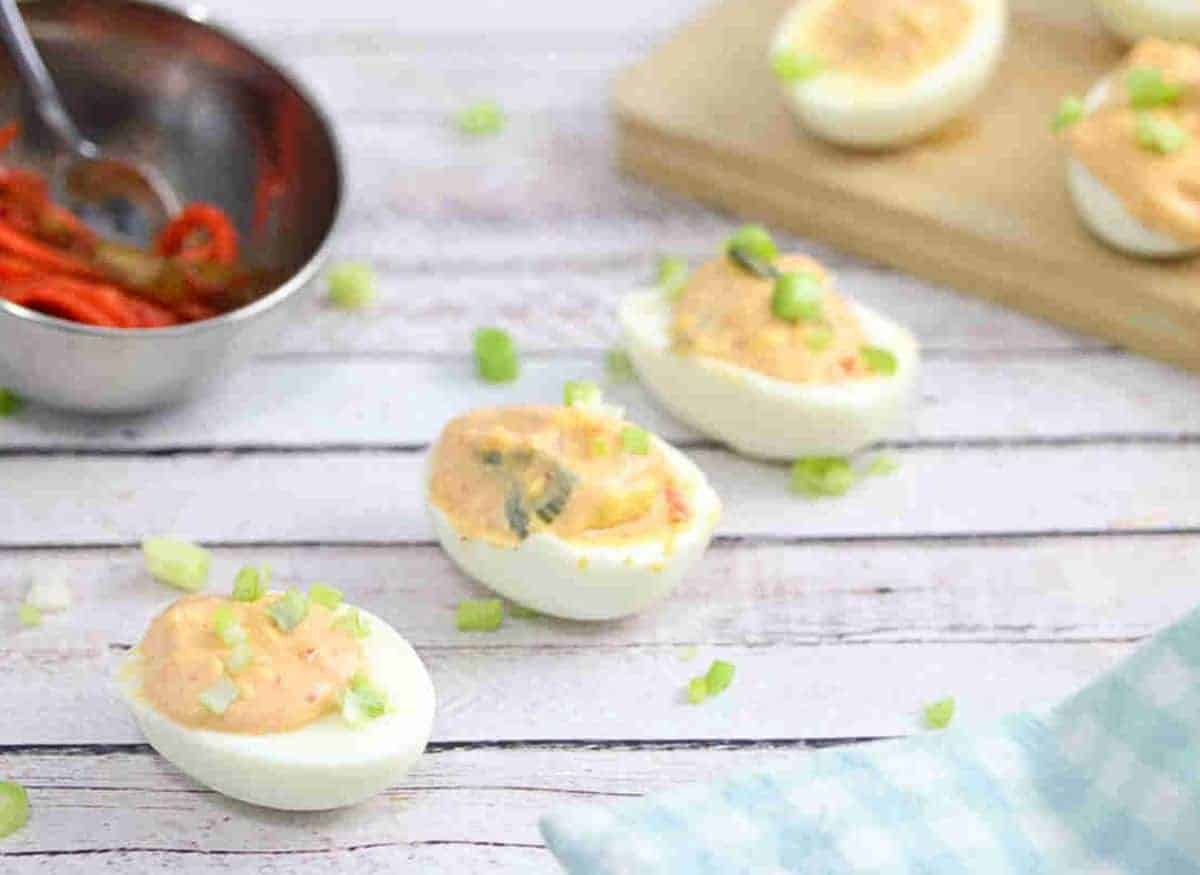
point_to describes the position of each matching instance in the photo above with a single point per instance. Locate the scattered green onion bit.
(29, 615)
(227, 627)
(753, 244)
(797, 297)
(240, 657)
(819, 337)
(879, 360)
(1161, 135)
(352, 621)
(289, 610)
(495, 355)
(10, 402)
(600, 447)
(351, 285)
(177, 563)
(822, 476)
(673, 275)
(1148, 89)
(479, 615)
(882, 466)
(791, 65)
(719, 676)
(580, 392)
(325, 596)
(635, 440)
(14, 808)
(618, 366)
(251, 583)
(1070, 110)
(939, 714)
(362, 703)
(697, 690)
(219, 696)
(482, 119)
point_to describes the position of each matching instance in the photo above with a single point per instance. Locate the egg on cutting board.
(760, 352)
(284, 700)
(883, 73)
(568, 510)
(1134, 19)
(1133, 165)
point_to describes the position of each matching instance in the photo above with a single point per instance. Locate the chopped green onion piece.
(482, 119)
(479, 615)
(939, 714)
(1161, 135)
(580, 392)
(495, 355)
(822, 476)
(362, 703)
(797, 297)
(719, 676)
(697, 690)
(219, 696)
(14, 808)
(10, 402)
(325, 596)
(790, 65)
(673, 275)
(227, 627)
(635, 440)
(1070, 110)
(289, 610)
(29, 615)
(879, 360)
(600, 447)
(351, 285)
(819, 337)
(352, 621)
(881, 466)
(618, 366)
(251, 583)
(240, 657)
(752, 243)
(177, 563)
(1148, 89)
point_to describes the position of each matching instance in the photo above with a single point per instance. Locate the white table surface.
(1042, 523)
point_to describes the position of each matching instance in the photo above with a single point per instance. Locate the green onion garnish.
(14, 808)
(177, 563)
(1161, 135)
(879, 360)
(325, 596)
(362, 703)
(673, 275)
(790, 65)
(219, 696)
(1148, 89)
(479, 615)
(10, 402)
(797, 297)
(289, 610)
(635, 440)
(600, 447)
(495, 355)
(618, 366)
(1070, 110)
(227, 627)
(580, 392)
(352, 621)
(939, 714)
(881, 466)
(29, 615)
(822, 476)
(818, 337)
(697, 690)
(251, 583)
(482, 119)
(719, 676)
(351, 285)
(752, 243)
(240, 657)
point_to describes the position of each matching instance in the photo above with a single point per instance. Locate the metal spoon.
(94, 179)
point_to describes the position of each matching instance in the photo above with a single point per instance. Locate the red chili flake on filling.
(677, 507)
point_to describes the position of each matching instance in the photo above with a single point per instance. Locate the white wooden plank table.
(1044, 520)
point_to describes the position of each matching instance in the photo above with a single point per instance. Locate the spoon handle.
(37, 79)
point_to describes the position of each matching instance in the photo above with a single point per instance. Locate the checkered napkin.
(1107, 782)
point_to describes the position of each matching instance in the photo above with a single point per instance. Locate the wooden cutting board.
(981, 206)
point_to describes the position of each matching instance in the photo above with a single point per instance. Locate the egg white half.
(1134, 19)
(860, 112)
(762, 416)
(580, 581)
(1104, 213)
(326, 764)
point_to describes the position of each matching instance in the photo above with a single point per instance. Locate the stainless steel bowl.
(225, 125)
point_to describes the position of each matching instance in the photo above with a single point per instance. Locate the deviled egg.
(1133, 166)
(569, 511)
(285, 700)
(1134, 19)
(759, 352)
(882, 73)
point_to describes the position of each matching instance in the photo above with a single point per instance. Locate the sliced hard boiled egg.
(569, 511)
(724, 357)
(1134, 19)
(286, 701)
(883, 73)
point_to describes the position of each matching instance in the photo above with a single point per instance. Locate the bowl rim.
(199, 16)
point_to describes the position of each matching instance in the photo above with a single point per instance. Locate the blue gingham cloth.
(1107, 782)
